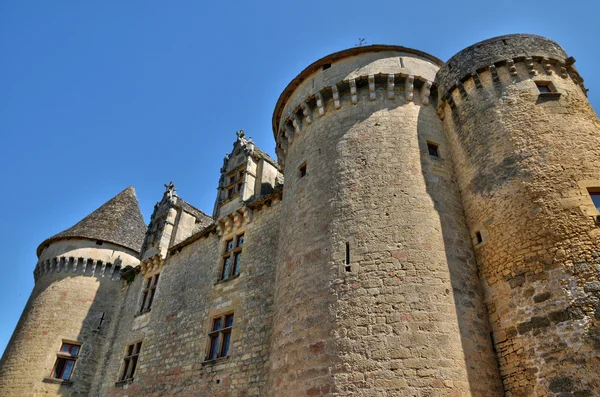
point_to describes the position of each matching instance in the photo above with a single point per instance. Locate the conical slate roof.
(118, 221)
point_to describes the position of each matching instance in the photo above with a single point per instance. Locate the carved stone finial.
(240, 134)
(171, 191)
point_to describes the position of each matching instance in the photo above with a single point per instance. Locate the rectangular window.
(148, 293)
(65, 361)
(433, 149)
(130, 361)
(302, 171)
(220, 337)
(543, 86)
(232, 257)
(234, 182)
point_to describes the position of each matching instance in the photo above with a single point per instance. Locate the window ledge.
(228, 279)
(124, 382)
(138, 314)
(57, 381)
(549, 95)
(215, 361)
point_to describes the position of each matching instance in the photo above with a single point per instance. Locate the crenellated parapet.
(402, 88)
(72, 266)
(502, 61)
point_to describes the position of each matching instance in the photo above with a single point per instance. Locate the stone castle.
(429, 229)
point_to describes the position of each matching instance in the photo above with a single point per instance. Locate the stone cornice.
(535, 66)
(78, 266)
(233, 221)
(151, 266)
(316, 105)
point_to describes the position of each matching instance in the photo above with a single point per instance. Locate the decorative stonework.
(297, 120)
(151, 266)
(233, 221)
(82, 266)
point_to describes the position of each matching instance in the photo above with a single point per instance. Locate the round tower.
(58, 343)
(526, 145)
(376, 288)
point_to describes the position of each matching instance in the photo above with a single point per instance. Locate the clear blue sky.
(98, 96)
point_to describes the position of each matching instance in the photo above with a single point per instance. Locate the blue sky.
(98, 96)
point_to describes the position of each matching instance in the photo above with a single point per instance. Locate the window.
(65, 361)
(478, 237)
(595, 195)
(433, 149)
(148, 293)
(220, 337)
(232, 258)
(130, 361)
(544, 86)
(302, 171)
(235, 181)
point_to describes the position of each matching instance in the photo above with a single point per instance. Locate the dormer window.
(234, 182)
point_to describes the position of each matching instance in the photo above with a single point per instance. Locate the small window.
(595, 195)
(130, 361)
(234, 182)
(232, 257)
(478, 238)
(220, 337)
(65, 361)
(544, 87)
(433, 149)
(302, 171)
(326, 66)
(148, 293)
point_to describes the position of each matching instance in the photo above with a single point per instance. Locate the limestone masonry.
(437, 234)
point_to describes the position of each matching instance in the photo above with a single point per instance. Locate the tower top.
(118, 221)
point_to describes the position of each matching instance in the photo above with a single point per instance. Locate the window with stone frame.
(232, 257)
(65, 361)
(148, 292)
(234, 182)
(220, 337)
(130, 361)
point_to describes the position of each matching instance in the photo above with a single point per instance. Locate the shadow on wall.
(467, 293)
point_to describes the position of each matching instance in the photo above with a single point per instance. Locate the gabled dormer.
(247, 173)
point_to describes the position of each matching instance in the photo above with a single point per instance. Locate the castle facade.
(428, 229)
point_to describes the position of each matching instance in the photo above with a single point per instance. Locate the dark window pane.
(544, 88)
(214, 344)
(229, 245)
(226, 267)
(228, 320)
(134, 360)
(240, 240)
(59, 367)
(226, 341)
(596, 199)
(75, 350)
(237, 261)
(66, 375)
(65, 348)
(217, 324)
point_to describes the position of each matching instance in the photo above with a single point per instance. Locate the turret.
(57, 346)
(526, 144)
(376, 287)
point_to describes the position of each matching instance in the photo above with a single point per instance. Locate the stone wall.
(174, 333)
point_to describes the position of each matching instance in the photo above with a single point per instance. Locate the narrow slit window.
(433, 149)
(478, 237)
(348, 267)
(302, 171)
